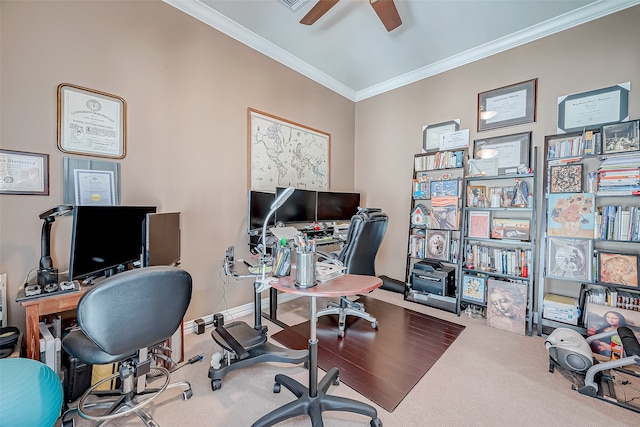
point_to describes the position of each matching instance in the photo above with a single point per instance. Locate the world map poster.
(283, 154)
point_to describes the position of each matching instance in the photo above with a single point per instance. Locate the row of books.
(615, 222)
(613, 182)
(513, 262)
(440, 160)
(582, 145)
(614, 297)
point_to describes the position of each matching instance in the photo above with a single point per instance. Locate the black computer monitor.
(259, 206)
(161, 239)
(337, 206)
(106, 239)
(298, 208)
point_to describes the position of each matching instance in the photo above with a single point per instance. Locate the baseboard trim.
(236, 312)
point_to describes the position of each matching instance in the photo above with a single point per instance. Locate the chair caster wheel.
(374, 325)
(216, 385)
(276, 388)
(336, 381)
(187, 394)
(375, 422)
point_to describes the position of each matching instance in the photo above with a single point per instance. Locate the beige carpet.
(487, 377)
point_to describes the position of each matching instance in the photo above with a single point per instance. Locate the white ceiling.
(349, 51)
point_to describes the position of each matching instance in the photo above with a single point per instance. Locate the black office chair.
(119, 320)
(358, 254)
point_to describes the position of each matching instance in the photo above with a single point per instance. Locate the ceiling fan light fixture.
(293, 5)
(387, 12)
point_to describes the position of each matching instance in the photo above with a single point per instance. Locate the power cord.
(194, 359)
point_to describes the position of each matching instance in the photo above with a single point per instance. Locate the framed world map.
(283, 154)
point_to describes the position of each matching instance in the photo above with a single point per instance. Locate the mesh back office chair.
(358, 254)
(119, 319)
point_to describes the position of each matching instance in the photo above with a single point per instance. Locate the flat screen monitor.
(162, 239)
(259, 206)
(337, 206)
(105, 238)
(299, 207)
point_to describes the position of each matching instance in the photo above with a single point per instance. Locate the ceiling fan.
(386, 10)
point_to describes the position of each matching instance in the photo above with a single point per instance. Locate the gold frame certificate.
(91, 122)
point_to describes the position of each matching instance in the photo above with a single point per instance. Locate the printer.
(433, 277)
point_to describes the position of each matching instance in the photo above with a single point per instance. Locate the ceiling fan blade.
(317, 11)
(387, 12)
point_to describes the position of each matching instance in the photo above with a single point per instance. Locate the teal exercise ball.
(30, 393)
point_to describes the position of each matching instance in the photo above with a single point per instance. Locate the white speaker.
(569, 349)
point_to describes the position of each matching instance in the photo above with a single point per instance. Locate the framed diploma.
(507, 106)
(511, 151)
(432, 134)
(590, 110)
(24, 173)
(90, 122)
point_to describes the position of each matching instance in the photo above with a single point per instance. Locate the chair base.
(266, 352)
(346, 308)
(313, 406)
(91, 406)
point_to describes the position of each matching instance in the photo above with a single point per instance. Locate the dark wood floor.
(382, 364)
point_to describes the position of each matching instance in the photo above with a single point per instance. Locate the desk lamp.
(263, 253)
(47, 274)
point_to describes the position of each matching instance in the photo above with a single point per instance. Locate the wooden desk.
(46, 305)
(313, 399)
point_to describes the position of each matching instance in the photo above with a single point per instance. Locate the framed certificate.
(432, 134)
(507, 106)
(90, 122)
(24, 173)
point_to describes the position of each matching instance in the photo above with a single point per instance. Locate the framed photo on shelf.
(512, 151)
(476, 196)
(444, 213)
(25, 173)
(592, 109)
(570, 259)
(432, 134)
(507, 106)
(479, 226)
(508, 228)
(501, 197)
(437, 244)
(621, 137)
(618, 268)
(507, 305)
(474, 288)
(571, 215)
(91, 122)
(444, 187)
(566, 178)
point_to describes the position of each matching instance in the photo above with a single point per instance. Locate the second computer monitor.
(298, 208)
(337, 206)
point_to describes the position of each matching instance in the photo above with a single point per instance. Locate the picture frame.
(616, 268)
(507, 305)
(513, 152)
(474, 288)
(571, 215)
(443, 214)
(592, 109)
(437, 243)
(507, 106)
(290, 140)
(512, 229)
(104, 182)
(569, 259)
(432, 134)
(24, 173)
(566, 178)
(476, 196)
(91, 122)
(621, 137)
(444, 187)
(502, 194)
(596, 322)
(479, 224)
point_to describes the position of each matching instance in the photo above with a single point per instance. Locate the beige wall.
(598, 54)
(187, 88)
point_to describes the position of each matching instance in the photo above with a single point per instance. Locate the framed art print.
(618, 268)
(476, 196)
(444, 213)
(437, 245)
(479, 224)
(571, 215)
(565, 178)
(444, 187)
(621, 137)
(507, 305)
(570, 259)
(474, 288)
(508, 228)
